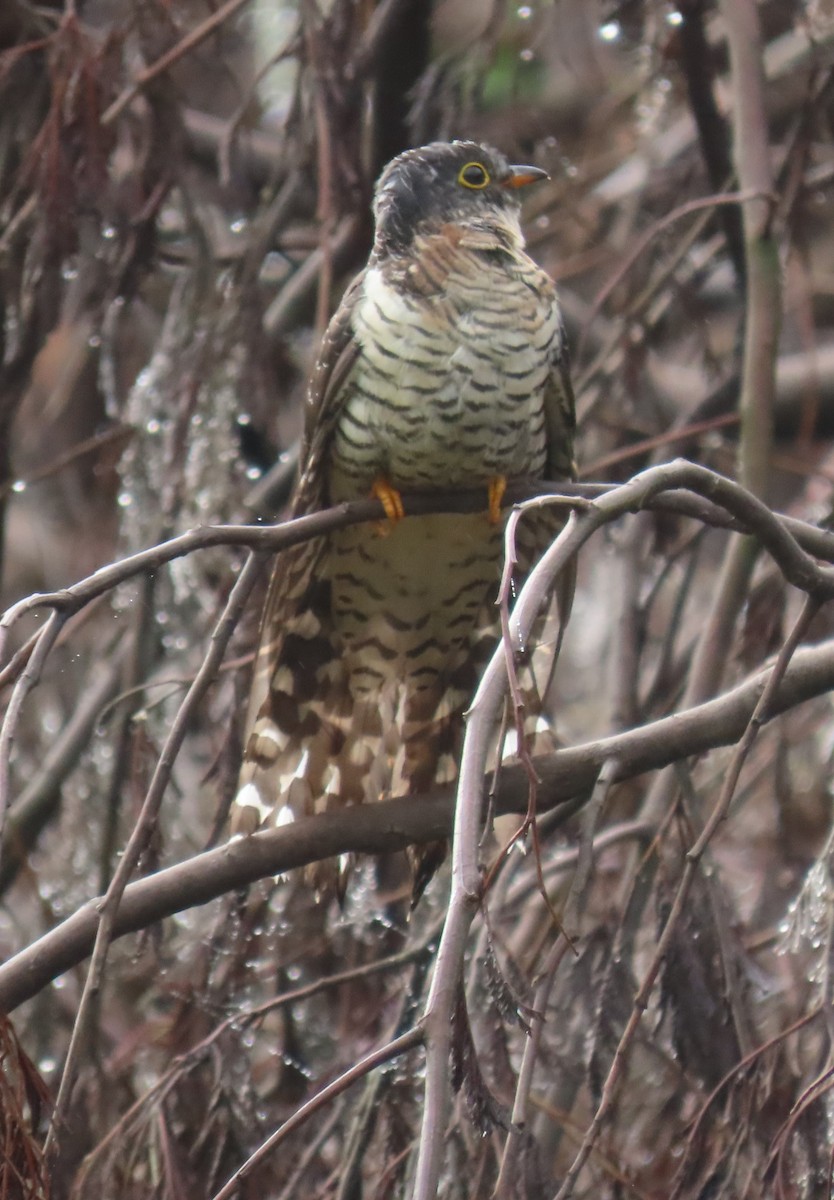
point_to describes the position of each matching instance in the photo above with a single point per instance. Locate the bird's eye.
(473, 175)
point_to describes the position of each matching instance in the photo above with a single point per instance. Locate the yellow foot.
(495, 492)
(391, 501)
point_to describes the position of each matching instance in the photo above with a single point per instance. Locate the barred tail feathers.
(352, 710)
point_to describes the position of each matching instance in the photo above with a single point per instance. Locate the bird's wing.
(560, 422)
(540, 527)
(560, 418)
(291, 596)
(325, 398)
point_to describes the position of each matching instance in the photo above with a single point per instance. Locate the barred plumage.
(444, 366)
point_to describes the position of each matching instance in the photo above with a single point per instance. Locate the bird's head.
(447, 182)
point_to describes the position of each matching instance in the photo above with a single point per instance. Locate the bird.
(445, 366)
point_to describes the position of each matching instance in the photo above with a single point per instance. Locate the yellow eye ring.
(474, 175)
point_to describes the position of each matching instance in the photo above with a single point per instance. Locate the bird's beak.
(521, 176)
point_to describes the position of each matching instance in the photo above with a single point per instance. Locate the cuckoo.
(444, 367)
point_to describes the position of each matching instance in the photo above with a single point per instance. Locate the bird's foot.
(391, 501)
(495, 492)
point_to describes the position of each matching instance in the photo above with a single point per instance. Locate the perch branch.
(483, 717)
(394, 824)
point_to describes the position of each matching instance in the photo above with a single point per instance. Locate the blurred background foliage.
(184, 194)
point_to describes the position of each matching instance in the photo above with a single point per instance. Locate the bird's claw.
(495, 492)
(391, 501)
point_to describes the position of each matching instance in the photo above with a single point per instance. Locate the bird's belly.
(442, 399)
(461, 435)
(405, 605)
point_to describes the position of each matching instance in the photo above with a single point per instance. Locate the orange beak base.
(521, 176)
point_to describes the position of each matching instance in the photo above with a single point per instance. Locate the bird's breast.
(448, 388)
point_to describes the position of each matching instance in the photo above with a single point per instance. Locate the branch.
(616, 1073)
(763, 311)
(108, 909)
(39, 798)
(183, 47)
(798, 567)
(394, 824)
(29, 679)
(377, 1058)
(703, 506)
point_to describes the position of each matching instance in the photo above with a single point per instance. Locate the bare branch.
(393, 1049)
(108, 908)
(760, 714)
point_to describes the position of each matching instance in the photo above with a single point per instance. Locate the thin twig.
(573, 905)
(394, 824)
(370, 1062)
(482, 718)
(183, 47)
(658, 227)
(119, 433)
(616, 1072)
(109, 906)
(739, 1067)
(41, 794)
(29, 679)
(661, 487)
(245, 1018)
(761, 332)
